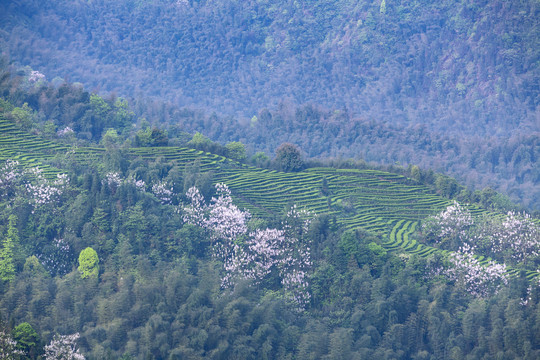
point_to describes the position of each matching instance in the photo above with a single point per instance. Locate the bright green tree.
(26, 337)
(236, 150)
(23, 116)
(88, 263)
(199, 141)
(7, 266)
(110, 139)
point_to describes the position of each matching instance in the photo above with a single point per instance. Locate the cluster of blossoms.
(163, 192)
(65, 132)
(30, 182)
(112, 179)
(515, 239)
(44, 191)
(477, 279)
(140, 185)
(35, 76)
(182, 3)
(518, 235)
(452, 223)
(254, 255)
(9, 172)
(8, 346)
(63, 347)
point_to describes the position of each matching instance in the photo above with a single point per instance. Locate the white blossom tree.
(30, 184)
(517, 237)
(477, 279)
(9, 173)
(450, 226)
(63, 347)
(514, 240)
(8, 347)
(253, 255)
(163, 192)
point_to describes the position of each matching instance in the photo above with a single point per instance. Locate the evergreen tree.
(7, 267)
(289, 158)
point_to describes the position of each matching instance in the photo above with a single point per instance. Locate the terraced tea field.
(377, 201)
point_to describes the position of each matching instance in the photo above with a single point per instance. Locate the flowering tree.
(9, 173)
(44, 191)
(254, 255)
(514, 239)
(163, 192)
(477, 279)
(65, 132)
(112, 180)
(63, 347)
(35, 76)
(30, 184)
(8, 347)
(451, 225)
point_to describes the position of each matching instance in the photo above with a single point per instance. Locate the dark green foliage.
(159, 295)
(331, 52)
(288, 158)
(10, 241)
(151, 137)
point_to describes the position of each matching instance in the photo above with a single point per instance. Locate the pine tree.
(7, 267)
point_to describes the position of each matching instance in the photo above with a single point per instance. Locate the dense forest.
(335, 179)
(447, 85)
(467, 65)
(114, 256)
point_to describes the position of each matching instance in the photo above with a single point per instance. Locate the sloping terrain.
(377, 201)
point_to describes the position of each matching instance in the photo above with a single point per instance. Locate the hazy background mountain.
(452, 85)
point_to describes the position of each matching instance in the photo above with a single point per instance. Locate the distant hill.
(455, 66)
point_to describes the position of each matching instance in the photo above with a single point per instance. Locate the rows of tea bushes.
(377, 201)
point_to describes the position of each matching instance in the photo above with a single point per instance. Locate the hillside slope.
(376, 201)
(110, 253)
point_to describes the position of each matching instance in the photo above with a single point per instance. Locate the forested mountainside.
(468, 66)
(138, 248)
(510, 166)
(448, 85)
